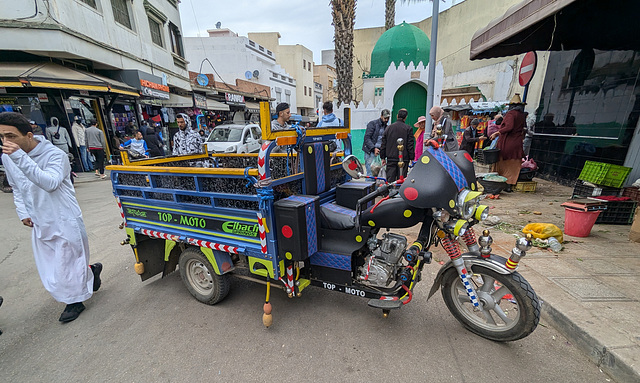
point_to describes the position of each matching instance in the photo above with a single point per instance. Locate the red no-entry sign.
(527, 68)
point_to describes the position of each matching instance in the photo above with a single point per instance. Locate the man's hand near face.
(9, 147)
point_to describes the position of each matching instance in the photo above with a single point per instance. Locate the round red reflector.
(286, 231)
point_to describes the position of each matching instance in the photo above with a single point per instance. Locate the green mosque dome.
(403, 43)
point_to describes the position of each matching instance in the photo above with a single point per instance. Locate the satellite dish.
(256, 74)
(248, 75)
(218, 25)
(202, 80)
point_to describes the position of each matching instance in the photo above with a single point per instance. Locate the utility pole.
(432, 55)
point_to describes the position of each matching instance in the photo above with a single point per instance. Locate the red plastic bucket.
(579, 223)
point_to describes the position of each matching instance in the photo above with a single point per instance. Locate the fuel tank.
(437, 178)
(392, 213)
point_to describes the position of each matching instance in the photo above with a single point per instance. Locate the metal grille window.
(156, 32)
(91, 3)
(121, 12)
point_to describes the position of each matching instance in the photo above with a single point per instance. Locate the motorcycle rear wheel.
(511, 309)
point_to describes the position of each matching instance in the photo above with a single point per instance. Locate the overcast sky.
(306, 22)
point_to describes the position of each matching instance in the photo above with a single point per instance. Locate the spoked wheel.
(200, 277)
(510, 307)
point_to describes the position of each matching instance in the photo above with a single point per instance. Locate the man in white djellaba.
(45, 200)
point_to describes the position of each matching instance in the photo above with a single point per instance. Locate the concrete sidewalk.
(91, 177)
(589, 289)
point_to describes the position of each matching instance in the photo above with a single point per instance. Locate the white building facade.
(234, 57)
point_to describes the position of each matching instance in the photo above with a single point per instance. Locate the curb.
(606, 359)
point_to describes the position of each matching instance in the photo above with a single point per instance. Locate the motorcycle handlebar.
(382, 190)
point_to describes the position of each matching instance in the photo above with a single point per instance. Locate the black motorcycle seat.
(336, 217)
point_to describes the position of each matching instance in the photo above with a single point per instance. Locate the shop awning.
(554, 25)
(252, 107)
(50, 75)
(177, 101)
(216, 105)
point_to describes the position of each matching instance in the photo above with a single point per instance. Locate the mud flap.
(495, 263)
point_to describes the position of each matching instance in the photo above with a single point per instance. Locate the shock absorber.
(453, 250)
(469, 238)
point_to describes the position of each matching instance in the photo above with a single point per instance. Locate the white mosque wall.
(398, 76)
(360, 117)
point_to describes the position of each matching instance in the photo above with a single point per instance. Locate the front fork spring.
(470, 240)
(453, 250)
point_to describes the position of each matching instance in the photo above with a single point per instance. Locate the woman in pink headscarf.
(419, 135)
(443, 123)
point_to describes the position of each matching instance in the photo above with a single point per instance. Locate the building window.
(309, 66)
(304, 63)
(378, 91)
(176, 40)
(91, 3)
(305, 90)
(288, 99)
(156, 32)
(121, 12)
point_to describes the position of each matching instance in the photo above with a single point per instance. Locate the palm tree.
(389, 14)
(344, 15)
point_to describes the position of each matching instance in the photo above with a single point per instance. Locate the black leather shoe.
(71, 312)
(96, 269)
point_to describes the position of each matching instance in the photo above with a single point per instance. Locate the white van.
(235, 138)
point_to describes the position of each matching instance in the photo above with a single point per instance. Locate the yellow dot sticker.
(425, 159)
(358, 238)
(452, 204)
(371, 223)
(288, 255)
(473, 186)
(310, 149)
(326, 148)
(407, 213)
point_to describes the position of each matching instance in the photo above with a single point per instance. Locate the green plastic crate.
(600, 173)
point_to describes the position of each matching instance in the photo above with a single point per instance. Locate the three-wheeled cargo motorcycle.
(307, 216)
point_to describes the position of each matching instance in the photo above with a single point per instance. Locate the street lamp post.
(432, 55)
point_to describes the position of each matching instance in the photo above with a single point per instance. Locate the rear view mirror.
(353, 167)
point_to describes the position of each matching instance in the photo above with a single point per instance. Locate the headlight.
(230, 149)
(466, 203)
(457, 227)
(482, 212)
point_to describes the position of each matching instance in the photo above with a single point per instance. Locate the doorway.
(412, 97)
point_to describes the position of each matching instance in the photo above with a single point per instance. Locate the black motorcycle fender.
(494, 262)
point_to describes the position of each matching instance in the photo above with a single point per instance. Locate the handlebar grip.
(382, 190)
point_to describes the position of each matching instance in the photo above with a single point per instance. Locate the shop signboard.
(200, 101)
(234, 99)
(149, 85)
(8, 100)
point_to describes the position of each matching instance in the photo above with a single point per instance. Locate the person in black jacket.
(470, 137)
(373, 139)
(389, 149)
(153, 143)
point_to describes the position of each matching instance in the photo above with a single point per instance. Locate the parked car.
(235, 138)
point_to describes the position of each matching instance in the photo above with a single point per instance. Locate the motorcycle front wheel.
(510, 308)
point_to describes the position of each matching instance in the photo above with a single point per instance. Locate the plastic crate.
(618, 213)
(582, 190)
(527, 187)
(631, 192)
(600, 173)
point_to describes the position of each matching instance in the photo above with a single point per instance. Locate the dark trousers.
(99, 154)
(393, 171)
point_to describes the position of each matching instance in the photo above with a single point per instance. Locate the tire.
(503, 318)
(200, 277)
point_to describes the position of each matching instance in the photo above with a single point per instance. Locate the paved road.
(155, 331)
